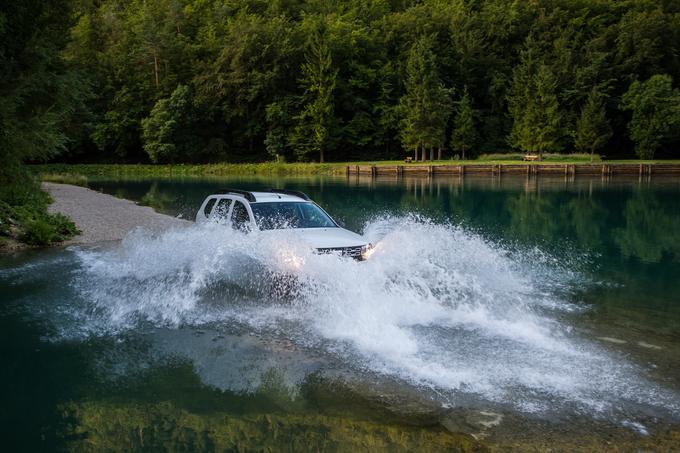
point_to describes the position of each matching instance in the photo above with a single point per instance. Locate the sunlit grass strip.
(266, 168)
(547, 157)
(75, 179)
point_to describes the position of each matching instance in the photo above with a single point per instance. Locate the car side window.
(240, 220)
(221, 210)
(208, 206)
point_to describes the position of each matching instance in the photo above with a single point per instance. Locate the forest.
(234, 81)
(193, 81)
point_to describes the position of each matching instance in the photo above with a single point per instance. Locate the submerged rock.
(103, 426)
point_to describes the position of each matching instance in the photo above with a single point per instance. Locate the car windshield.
(279, 215)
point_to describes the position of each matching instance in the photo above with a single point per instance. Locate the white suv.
(278, 209)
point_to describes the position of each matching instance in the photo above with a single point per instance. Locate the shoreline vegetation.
(26, 222)
(77, 174)
(24, 217)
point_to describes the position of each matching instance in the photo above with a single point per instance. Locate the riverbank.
(24, 217)
(334, 168)
(101, 217)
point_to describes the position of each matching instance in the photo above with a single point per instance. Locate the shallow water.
(509, 302)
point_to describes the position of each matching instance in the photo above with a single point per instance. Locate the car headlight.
(289, 261)
(367, 250)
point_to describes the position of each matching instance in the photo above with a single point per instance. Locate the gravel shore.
(102, 217)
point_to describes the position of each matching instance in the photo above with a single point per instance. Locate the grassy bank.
(73, 179)
(24, 219)
(73, 174)
(265, 168)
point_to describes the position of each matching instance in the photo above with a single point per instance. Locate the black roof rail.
(295, 193)
(244, 193)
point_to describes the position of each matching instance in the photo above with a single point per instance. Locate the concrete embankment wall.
(528, 169)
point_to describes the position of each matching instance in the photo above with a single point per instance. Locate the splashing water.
(436, 306)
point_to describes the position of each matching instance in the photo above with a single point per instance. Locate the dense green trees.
(41, 102)
(656, 113)
(39, 95)
(208, 80)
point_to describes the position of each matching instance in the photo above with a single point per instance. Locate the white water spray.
(435, 306)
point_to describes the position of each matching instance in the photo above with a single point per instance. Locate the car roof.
(266, 197)
(276, 197)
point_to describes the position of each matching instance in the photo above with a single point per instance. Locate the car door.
(220, 212)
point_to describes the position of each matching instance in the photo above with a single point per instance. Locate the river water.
(513, 311)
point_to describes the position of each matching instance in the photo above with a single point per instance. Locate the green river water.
(496, 313)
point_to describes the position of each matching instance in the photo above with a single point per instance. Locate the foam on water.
(435, 306)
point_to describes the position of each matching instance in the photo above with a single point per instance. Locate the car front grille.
(354, 252)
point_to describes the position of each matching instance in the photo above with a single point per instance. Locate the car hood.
(321, 238)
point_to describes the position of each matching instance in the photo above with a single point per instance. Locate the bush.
(38, 232)
(24, 216)
(47, 229)
(6, 219)
(63, 226)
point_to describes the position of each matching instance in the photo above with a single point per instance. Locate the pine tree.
(592, 127)
(413, 102)
(546, 112)
(463, 135)
(534, 106)
(521, 134)
(319, 79)
(426, 104)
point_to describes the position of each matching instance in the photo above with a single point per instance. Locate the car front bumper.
(359, 252)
